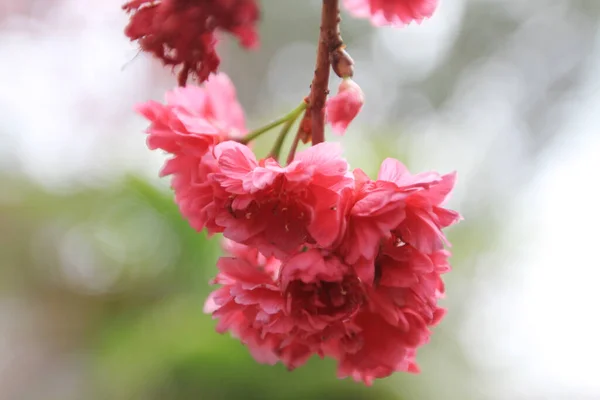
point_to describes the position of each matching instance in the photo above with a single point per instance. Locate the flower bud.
(342, 63)
(342, 108)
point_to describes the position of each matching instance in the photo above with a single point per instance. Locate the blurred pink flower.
(193, 120)
(342, 108)
(194, 191)
(391, 12)
(182, 32)
(194, 117)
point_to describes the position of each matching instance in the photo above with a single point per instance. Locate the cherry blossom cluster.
(320, 259)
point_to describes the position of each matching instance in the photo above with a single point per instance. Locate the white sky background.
(62, 88)
(68, 88)
(541, 319)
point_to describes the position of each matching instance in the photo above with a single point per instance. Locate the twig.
(293, 116)
(292, 152)
(329, 41)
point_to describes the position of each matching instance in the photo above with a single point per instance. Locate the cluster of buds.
(320, 259)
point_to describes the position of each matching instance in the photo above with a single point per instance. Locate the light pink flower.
(342, 108)
(194, 191)
(391, 12)
(277, 209)
(194, 118)
(222, 108)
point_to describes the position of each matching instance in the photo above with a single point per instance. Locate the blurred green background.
(114, 281)
(102, 282)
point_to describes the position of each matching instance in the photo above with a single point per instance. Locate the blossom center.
(338, 300)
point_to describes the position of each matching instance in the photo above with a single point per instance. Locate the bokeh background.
(102, 282)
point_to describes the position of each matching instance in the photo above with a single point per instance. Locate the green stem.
(259, 131)
(293, 116)
(295, 143)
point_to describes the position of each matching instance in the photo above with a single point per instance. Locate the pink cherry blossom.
(277, 209)
(194, 191)
(400, 310)
(342, 108)
(425, 216)
(285, 313)
(377, 208)
(402, 270)
(314, 303)
(397, 204)
(383, 350)
(318, 260)
(391, 12)
(322, 293)
(250, 306)
(194, 118)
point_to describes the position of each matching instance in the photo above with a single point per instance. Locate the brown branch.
(312, 124)
(329, 41)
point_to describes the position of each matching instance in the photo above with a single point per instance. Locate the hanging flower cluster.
(319, 259)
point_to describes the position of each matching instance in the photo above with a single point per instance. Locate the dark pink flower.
(342, 108)
(182, 32)
(277, 209)
(391, 12)
(322, 293)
